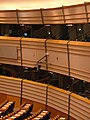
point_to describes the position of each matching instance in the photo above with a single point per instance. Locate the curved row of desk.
(44, 96)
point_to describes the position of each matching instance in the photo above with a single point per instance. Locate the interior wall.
(36, 4)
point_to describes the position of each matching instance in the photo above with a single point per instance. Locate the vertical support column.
(68, 56)
(86, 11)
(45, 41)
(69, 106)
(83, 33)
(17, 16)
(63, 15)
(65, 28)
(76, 32)
(21, 91)
(50, 31)
(69, 72)
(20, 57)
(22, 69)
(42, 16)
(46, 54)
(46, 96)
(46, 60)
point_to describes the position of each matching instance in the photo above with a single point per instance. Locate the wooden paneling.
(53, 16)
(29, 17)
(5, 52)
(32, 51)
(58, 99)
(79, 60)
(78, 21)
(57, 60)
(10, 86)
(34, 91)
(8, 17)
(75, 14)
(88, 11)
(75, 9)
(88, 7)
(61, 15)
(10, 50)
(79, 107)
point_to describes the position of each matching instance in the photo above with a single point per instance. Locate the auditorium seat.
(43, 115)
(58, 117)
(22, 113)
(34, 115)
(40, 115)
(14, 112)
(7, 108)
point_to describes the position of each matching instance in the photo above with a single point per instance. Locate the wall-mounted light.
(49, 33)
(69, 25)
(79, 29)
(21, 24)
(47, 25)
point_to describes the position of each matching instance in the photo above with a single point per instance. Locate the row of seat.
(40, 115)
(6, 108)
(24, 112)
(34, 115)
(15, 111)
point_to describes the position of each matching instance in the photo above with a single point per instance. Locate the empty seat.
(44, 115)
(23, 112)
(7, 108)
(58, 117)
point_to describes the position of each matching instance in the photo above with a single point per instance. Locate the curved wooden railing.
(79, 106)
(53, 97)
(10, 86)
(62, 15)
(63, 57)
(34, 91)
